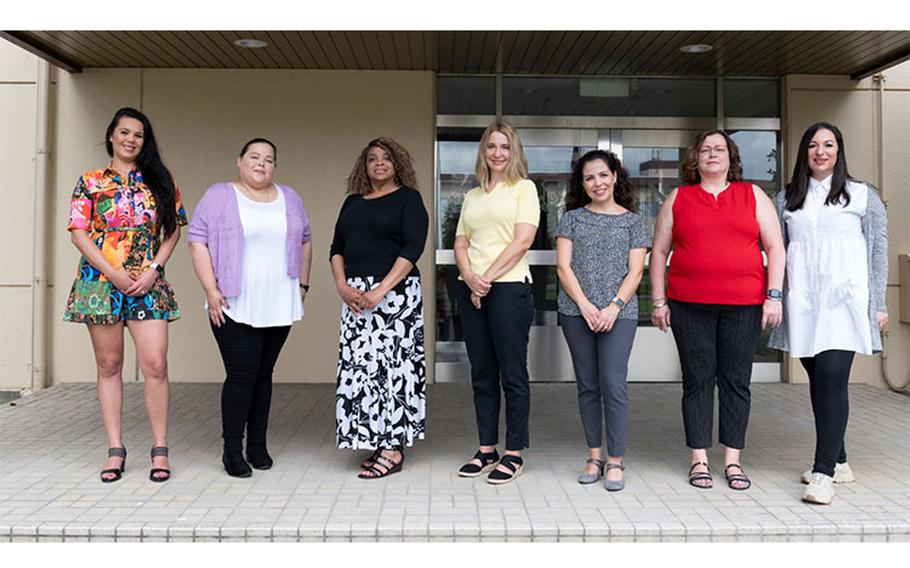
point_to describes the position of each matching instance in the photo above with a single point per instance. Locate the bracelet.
(658, 305)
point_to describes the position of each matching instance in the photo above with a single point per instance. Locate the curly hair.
(623, 194)
(688, 170)
(358, 181)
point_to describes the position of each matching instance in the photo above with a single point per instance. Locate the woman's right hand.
(661, 317)
(216, 301)
(591, 315)
(478, 284)
(122, 279)
(351, 297)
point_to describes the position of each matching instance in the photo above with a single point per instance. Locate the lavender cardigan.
(216, 222)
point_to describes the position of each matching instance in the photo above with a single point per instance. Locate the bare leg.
(596, 454)
(150, 338)
(107, 343)
(700, 455)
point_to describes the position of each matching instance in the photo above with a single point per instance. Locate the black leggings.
(829, 373)
(249, 355)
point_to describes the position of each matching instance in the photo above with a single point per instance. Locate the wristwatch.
(618, 301)
(158, 268)
(775, 294)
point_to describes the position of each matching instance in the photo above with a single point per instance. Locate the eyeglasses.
(708, 150)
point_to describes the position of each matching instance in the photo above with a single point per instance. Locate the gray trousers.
(601, 362)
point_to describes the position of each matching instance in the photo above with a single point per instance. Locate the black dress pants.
(829, 374)
(249, 355)
(496, 337)
(716, 344)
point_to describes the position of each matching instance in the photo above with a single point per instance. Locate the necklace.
(252, 195)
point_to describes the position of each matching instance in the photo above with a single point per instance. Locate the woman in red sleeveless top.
(718, 294)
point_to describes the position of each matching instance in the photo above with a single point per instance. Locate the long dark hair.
(799, 183)
(155, 174)
(689, 168)
(622, 188)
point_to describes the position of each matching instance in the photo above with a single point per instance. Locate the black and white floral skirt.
(380, 401)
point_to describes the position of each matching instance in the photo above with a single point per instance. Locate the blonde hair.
(517, 169)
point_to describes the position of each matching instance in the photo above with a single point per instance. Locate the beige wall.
(853, 107)
(18, 100)
(319, 120)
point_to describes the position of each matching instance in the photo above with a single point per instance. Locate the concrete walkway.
(52, 446)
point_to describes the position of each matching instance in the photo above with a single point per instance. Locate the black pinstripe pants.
(716, 345)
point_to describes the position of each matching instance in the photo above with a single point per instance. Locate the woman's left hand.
(143, 283)
(608, 317)
(772, 314)
(882, 320)
(371, 298)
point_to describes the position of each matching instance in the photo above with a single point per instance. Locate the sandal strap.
(155, 470)
(511, 462)
(114, 470)
(159, 451)
(728, 466)
(384, 461)
(696, 464)
(618, 466)
(597, 462)
(486, 458)
(116, 453)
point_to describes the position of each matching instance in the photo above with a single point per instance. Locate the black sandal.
(701, 476)
(159, 451)
(488, 461)
(514, 464)
(740, 477)
(370, 461)
(388, 466)
(116, 471)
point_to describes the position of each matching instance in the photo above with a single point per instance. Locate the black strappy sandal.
(117, 472)
(388, 467)
(740, 477)
(368, 462)
(488, 461)
(701, 476)
(514, 464)
(159, 451)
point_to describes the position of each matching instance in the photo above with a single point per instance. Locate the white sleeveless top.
(827, 274)
(268, 296)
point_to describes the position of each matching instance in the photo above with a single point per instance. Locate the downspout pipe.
(40, 256)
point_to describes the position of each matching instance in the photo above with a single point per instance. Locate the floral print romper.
(119, 216)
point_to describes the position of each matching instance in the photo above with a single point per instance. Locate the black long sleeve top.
(370, 234)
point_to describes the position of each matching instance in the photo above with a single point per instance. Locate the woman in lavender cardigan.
(251, 249)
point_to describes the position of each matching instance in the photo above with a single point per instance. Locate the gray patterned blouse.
(600, 256)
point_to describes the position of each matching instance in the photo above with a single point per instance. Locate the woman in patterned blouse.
(118, 217)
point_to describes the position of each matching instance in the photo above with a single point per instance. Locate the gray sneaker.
(820, 489)
(842, 474)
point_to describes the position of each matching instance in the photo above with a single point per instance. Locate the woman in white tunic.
(836, 234)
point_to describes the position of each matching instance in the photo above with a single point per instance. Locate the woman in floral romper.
(118, 217)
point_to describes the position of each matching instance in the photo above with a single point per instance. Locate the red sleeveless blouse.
(716, 256)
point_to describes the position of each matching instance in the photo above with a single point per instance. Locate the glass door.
(652, 158)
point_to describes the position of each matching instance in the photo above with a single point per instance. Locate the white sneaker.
(820, 489)
(842, 474)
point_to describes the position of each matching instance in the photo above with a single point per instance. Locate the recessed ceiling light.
(250, 43)
(696, 48)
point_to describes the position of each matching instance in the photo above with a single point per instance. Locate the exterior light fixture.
(250, 43)
(696, 48)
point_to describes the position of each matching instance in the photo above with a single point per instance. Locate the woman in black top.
(380, 234)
